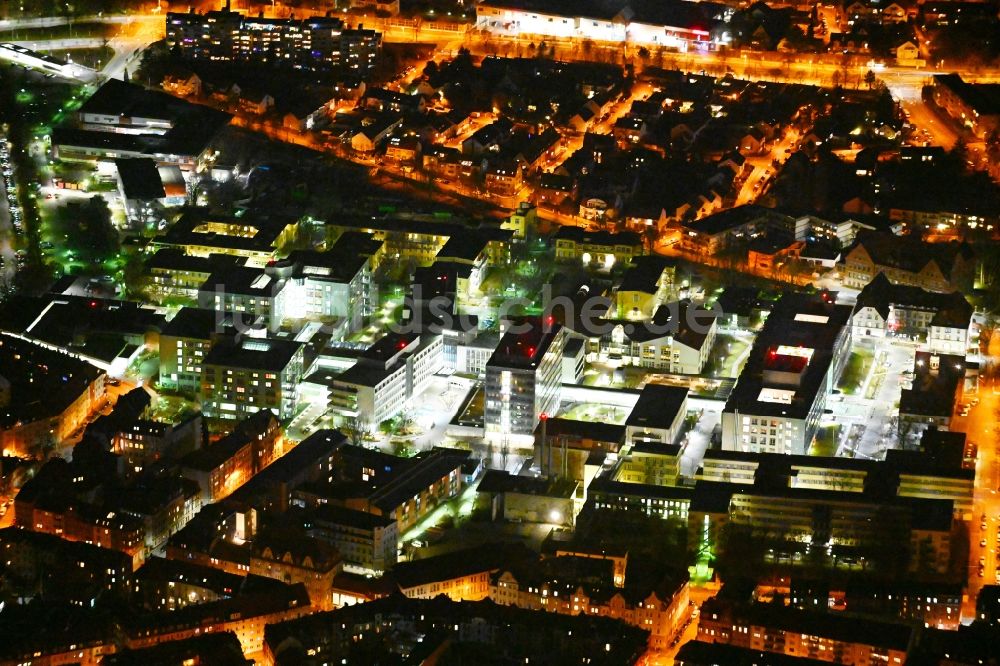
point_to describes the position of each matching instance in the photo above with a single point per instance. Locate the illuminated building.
(939, 381)
(336, 284)
(974, 106)
(184, 343)
(147, 441)
(575, 449)
(176, 275)
(245, 615)
(365, 540)
(655, 501)
(827, 636)
(599, 249)
(403, 489)
(506, 634)
(250, 295)
(942, 321)
(311, 460)
(201, 235)
(168, 585)
(678, 338)
(554, 500)
(242, 377)
(524, 377)
(716, 232)
(386, 376)
(657, 416)
(572, 585)
(792, 368)
(461, 575)
(217, 537)
(221, 468)
(655, 464)
(646, 285)
(124, 120)
(906, 261)
(70, 571)
(420, 239)
(51, 394)
(503, 179)
(288, 554)
(314, 43)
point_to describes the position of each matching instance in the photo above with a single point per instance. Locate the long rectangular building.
(795, 362)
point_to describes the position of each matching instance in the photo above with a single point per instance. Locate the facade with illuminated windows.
(317, 42)
(524, 377)
(793, 367)
(386, 376)
(243, 376)
(572, 585)
(600, 249)
(824, 636)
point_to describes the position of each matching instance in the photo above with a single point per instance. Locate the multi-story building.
(615, 22)
(242, 376)
(716, 232)
(49, 395)
(450, 629)
(184, 344)
(523, 378)
(386, 376)
(223, 467)
(249, 295)
(653, 464)
(331, 285)
(402, 489)
(252, 240)
(815, 635)
(49, 504)
(311, 460)
(599, 249)
(366, 540)
(147, 441)
(940, 320)
(290, 555)
(792, 368)
(419, 240)
(658, 415)
(935, 472)
(975, 106)
(314, 43)
(646, 286)
(654, 501)
(66, 570)
(875, 527)
(679, 339)
(930, 266)
(573, 585)
(177, 276)
(245, 615)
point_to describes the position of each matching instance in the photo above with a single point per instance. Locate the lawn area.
(825, 443)
(727, 356)
(855, 371)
